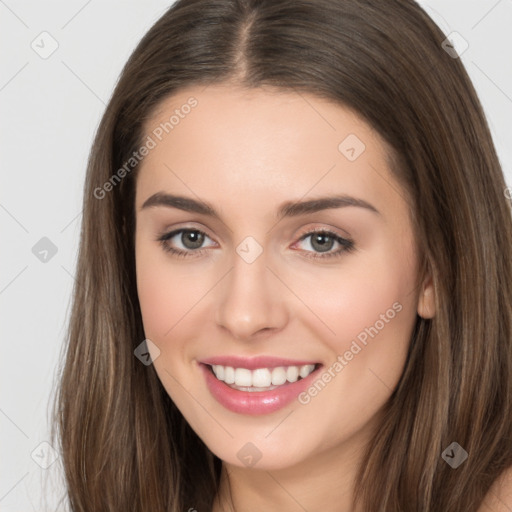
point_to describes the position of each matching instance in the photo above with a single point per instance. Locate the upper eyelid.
(168, 235)
(331, 231)
(167, 232)
(321, 227)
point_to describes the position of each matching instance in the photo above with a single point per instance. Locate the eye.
(191, 241)
(322, 241)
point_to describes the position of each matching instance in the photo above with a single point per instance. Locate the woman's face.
(297, 281)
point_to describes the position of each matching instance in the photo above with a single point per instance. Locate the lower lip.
(256, 402)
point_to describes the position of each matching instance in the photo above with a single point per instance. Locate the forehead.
(219, 140)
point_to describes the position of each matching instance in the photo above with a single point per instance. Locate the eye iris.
(320, 238)
(194, 236)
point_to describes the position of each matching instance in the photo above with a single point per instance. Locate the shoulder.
(499, 497)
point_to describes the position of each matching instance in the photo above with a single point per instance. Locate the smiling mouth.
(261, 379)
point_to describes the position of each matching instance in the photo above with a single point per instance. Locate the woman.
(294, 280)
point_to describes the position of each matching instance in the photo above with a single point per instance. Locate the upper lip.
(252, 363)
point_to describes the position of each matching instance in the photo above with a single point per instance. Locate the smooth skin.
(246, 152)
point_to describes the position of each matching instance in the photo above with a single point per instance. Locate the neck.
(322, 482)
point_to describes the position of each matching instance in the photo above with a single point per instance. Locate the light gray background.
(50, 109)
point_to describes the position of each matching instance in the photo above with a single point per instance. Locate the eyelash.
(347, 245)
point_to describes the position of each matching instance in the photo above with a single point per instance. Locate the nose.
(251, 300)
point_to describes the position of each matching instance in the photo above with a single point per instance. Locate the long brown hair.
(124, 444)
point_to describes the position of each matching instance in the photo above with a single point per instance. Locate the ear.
(426, 299)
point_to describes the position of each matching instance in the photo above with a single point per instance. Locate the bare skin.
(246, 153)
(499, 497)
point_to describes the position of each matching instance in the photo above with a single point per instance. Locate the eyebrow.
(287, 209)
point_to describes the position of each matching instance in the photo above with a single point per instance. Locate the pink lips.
(256, 402)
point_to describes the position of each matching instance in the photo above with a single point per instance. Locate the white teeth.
(292, 374)
(306, 370)
(229, 375)
(243, 377)
(261, 377)
(278, 376)
(219, 371)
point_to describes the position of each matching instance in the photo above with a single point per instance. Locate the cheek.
(371, 311)
(370, 295)
(171, 296)
(153, 300)
(161, 293)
